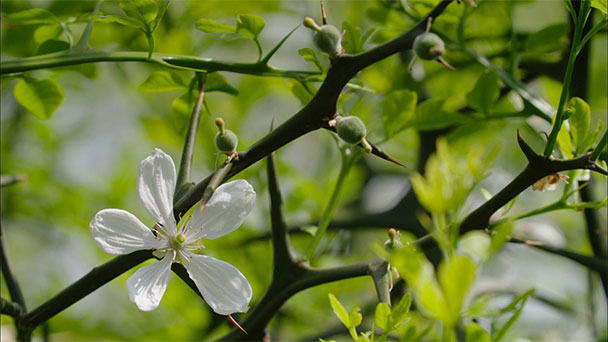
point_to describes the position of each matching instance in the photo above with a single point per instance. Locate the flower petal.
(223, 286)
(225, 211)
(148, 284)
(119, 232)
(156, 185)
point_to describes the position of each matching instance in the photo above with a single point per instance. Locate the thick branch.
(281, 290)
(10, 308)
(537, 168)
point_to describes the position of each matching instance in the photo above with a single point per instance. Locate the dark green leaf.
(217, 82)
(51, 46)
(39, 97)
(397, 110)
(430, 115)
(552, 38)
(249, 25)
(34, 16)
(485, 93)
(210, 26)
(143, 11)
(351, 42)
(160, 81)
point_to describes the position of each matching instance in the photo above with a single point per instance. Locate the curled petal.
(148, 284)
(156, 185)
(222, 285)
(119, 232)
(225, 211)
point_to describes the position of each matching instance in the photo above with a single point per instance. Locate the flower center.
(178, 240)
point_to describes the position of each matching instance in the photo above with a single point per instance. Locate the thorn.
(445, 64)
(526, 149)
(533, 243)
(272, 124)
(323, 13)
(200, 209)
(429, 21)
(231, 320)
(376, 151)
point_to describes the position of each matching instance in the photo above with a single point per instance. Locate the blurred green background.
(85, 158)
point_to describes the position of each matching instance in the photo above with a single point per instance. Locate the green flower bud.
(225, 140)
(351, 129)
(311, 24)
(328, 40)
(429, 46)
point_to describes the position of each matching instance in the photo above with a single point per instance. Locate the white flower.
(117, 231)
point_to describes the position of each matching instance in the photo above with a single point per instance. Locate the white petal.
(148, 284)
(156, 185)
(223, 286)
(225, 211)
(120, 232)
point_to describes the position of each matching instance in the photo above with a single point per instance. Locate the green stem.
(600, 147)
(183, 175)
(165, 60)
(559, 116)
(257, 44)
(347, 163)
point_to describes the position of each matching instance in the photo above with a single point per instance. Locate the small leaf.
(210, 26)
(474, 333)
(455, 276)
(382, 318)
(119, 19)
(143, 11)
(33, 16)
(51, 46)
(401, 310)
(46, 32)
(553, 38)
(310, 229)
(352, 37)
(217, 82)
(310, 55)
(339, 311)
(430, 115)
(250, 25)
(39, 97)
(485, 93)
(565, 142)
(397, 110)
(579, 122)
(161, 81)
(600, 5)
(355, 317)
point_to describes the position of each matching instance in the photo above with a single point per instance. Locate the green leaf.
(502, 234)
(210, 26)
(355, 317)
(455, 276)
(430, 115)
(34, 16)
(579, 123)
(564, 141)
(46, 32)
(250, 25)
(119, 19)
(516, 306)
(339, 311)
(553, 38)
(485, 93)
(143, 11)
(397, 110)
(351, 42)
(161, 81)
(475, 244)
(39, 97)
(474, 333)
(383, 316)
(600, 5)
(217, 82)
(401, 310)
(51, 46)
(310, 55)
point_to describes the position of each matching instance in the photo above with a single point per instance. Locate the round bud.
(328, 39)
(178, 240)
(392, 233)
(219, 122)
(351, 129)
(311, 24)
(226, 141)
(429, 46)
